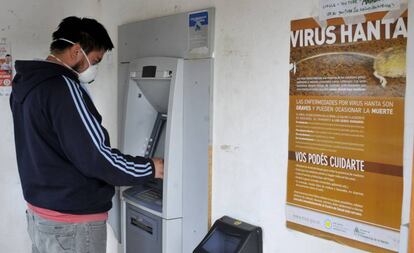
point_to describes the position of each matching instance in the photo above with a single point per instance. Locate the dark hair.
(89, 33)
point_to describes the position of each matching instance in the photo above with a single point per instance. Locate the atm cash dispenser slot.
(140, 224)
(144, 231)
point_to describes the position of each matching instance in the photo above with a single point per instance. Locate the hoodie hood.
(30, 74)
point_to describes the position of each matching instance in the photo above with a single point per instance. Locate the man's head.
(8, 59)
(87, 35)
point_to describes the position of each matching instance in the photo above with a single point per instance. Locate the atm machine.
(166, 107)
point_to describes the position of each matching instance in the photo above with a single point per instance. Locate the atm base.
(143, 231)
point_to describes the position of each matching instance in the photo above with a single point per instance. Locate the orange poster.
(346, 123)
(6, 68)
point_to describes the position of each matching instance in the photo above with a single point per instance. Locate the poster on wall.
(6, 68)
(346, 128)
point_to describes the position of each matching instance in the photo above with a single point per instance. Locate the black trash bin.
(231, 236)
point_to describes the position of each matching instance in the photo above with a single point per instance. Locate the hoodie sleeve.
(85, 141)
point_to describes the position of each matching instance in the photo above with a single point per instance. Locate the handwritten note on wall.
(344, 8)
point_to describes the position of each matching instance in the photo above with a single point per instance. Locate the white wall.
(250, 129)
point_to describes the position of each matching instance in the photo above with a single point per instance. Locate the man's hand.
(159, 167)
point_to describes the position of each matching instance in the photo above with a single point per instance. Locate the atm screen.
(159, 148)
(155, 149)
(156, 144)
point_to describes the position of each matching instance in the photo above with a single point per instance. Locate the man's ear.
(75, 52)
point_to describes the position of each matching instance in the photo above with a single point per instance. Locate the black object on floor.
(231, 236)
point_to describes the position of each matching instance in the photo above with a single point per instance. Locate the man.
(66, 165)
(6, 66)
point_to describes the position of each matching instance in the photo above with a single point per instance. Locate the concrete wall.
(250, 121)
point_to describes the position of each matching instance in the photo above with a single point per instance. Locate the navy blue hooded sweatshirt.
(64, 156)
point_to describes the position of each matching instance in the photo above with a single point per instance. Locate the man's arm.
(85, 142)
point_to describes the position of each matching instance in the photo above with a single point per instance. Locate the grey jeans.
(57, 237)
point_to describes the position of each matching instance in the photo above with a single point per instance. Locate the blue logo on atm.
(198, 19)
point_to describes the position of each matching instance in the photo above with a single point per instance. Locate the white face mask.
(89, 74)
